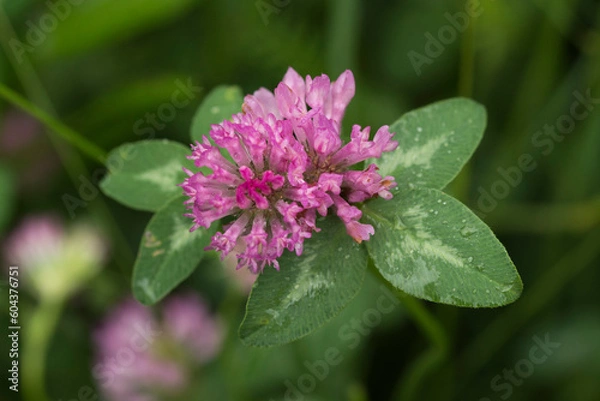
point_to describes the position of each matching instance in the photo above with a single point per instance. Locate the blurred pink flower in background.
(56, 261)
(36, 240)
(18, 130)
(187, 319)
(20, 139)
(141, 357)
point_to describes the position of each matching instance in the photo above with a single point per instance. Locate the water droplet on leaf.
(467, 231)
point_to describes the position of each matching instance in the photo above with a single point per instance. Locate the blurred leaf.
(410, 27)
(499, 30)
(100, 22)
(219, 105)
(434, 143)
(308, 290)
(431, 246)
(343, 35)
(168, 252)
(145, 175)
(15, 7)
(7, 196)
(582, 161)
(133, 98)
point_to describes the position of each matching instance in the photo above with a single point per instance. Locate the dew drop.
(340, 249)
(467, 231)
(444, 203)
(487, 291)
(435, 212)
(470, 259)
(419, 129)
(439, 201)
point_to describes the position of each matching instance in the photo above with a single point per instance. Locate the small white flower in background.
(55, 261)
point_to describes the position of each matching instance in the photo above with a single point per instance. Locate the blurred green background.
(100, 66)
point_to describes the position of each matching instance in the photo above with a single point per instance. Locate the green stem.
(228, 365)
(357, 392)
(461, 184)
(574, 217)
(540, 73)
(38, 333)
(467, 58)
(409, 386)
(342, 43)
(69, 135)
(545, 290)
(72, 161)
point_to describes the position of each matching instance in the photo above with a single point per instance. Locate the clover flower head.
(287, 163)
